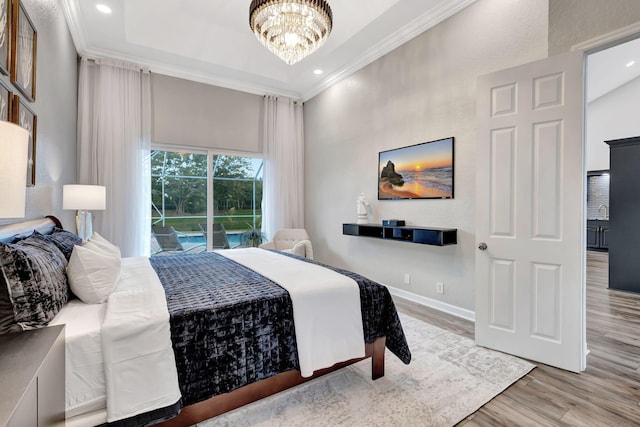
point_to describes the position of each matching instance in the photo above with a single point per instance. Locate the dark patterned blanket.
(231, 326)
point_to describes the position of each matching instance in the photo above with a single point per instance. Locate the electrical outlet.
(440, 287)
(407, 278)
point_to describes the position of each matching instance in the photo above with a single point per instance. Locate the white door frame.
(588, 47)
(608, 40)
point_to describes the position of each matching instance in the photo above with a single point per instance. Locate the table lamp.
(14, 152)
(84, 198)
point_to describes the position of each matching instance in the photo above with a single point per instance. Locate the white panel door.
(529, 212)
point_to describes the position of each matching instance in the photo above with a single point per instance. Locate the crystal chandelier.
(291, 29)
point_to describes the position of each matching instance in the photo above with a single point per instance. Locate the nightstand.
(32, 378)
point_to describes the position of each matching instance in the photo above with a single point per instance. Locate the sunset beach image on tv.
(421, 171)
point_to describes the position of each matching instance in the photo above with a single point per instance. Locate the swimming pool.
(234, 239)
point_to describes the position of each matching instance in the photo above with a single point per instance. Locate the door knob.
(482, 246)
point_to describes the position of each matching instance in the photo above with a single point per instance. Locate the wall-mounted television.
(421, 171)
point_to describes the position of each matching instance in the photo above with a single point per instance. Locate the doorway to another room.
(612, 101)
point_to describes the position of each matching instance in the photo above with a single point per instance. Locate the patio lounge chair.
(220, 240)
(168, 240)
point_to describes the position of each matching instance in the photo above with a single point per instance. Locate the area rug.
(448, 379)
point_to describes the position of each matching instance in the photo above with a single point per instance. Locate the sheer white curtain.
(283, 146)
(114, 129)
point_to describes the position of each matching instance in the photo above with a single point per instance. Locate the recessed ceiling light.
(630, 63)
(103, 8)
(317, 72)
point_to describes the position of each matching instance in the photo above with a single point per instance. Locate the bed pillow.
(93, 272)
(104, 244)
(64, 240)
(7, 318)
(33, 270)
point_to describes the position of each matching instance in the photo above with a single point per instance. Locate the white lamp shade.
(84, 197)
(14, 152)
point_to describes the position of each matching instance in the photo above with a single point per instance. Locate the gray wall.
(204, 116)
(426, 90)
(56, 108)
(422, 91)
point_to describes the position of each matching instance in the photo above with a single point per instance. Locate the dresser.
(32, 378)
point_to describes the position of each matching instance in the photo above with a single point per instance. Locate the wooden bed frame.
(226, 402)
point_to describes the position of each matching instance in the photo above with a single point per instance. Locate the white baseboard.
(432, 303)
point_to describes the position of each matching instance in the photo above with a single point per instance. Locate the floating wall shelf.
(423, 235)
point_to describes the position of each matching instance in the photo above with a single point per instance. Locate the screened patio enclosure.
(191, 191)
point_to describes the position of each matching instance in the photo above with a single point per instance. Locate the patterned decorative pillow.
(34, 270)
(64, 240)
(7, 319)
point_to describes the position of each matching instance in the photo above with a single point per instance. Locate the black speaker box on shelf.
(393, 223)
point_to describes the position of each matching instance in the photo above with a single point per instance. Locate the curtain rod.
(95, 61)
(295, 101)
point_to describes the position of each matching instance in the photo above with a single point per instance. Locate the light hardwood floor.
(606, 394)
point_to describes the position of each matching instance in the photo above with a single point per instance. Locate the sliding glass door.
(194, 192)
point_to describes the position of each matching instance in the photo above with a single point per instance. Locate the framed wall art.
(421, 171)
(6, 100)
(24, 40)
(5, 36)
(24, 117)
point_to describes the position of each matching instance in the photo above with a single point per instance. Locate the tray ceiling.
(210, 40)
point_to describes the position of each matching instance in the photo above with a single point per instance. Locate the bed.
(233, 337)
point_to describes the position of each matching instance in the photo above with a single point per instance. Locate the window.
(237, 192)
(179, 193)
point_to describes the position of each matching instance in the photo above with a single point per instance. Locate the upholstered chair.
(292, 240)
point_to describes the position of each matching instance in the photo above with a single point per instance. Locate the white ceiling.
(611, 68)
(210, 40)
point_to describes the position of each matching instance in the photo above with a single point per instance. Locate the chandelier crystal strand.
(291, 29)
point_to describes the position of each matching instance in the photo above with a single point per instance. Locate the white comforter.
(326, 306)
(139, 363)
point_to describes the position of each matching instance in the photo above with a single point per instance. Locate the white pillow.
(302, 248)
(104, 244)
(93, 271)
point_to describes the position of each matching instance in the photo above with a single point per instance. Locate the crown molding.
(182, 73)
(416, 27)
(72, 15)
